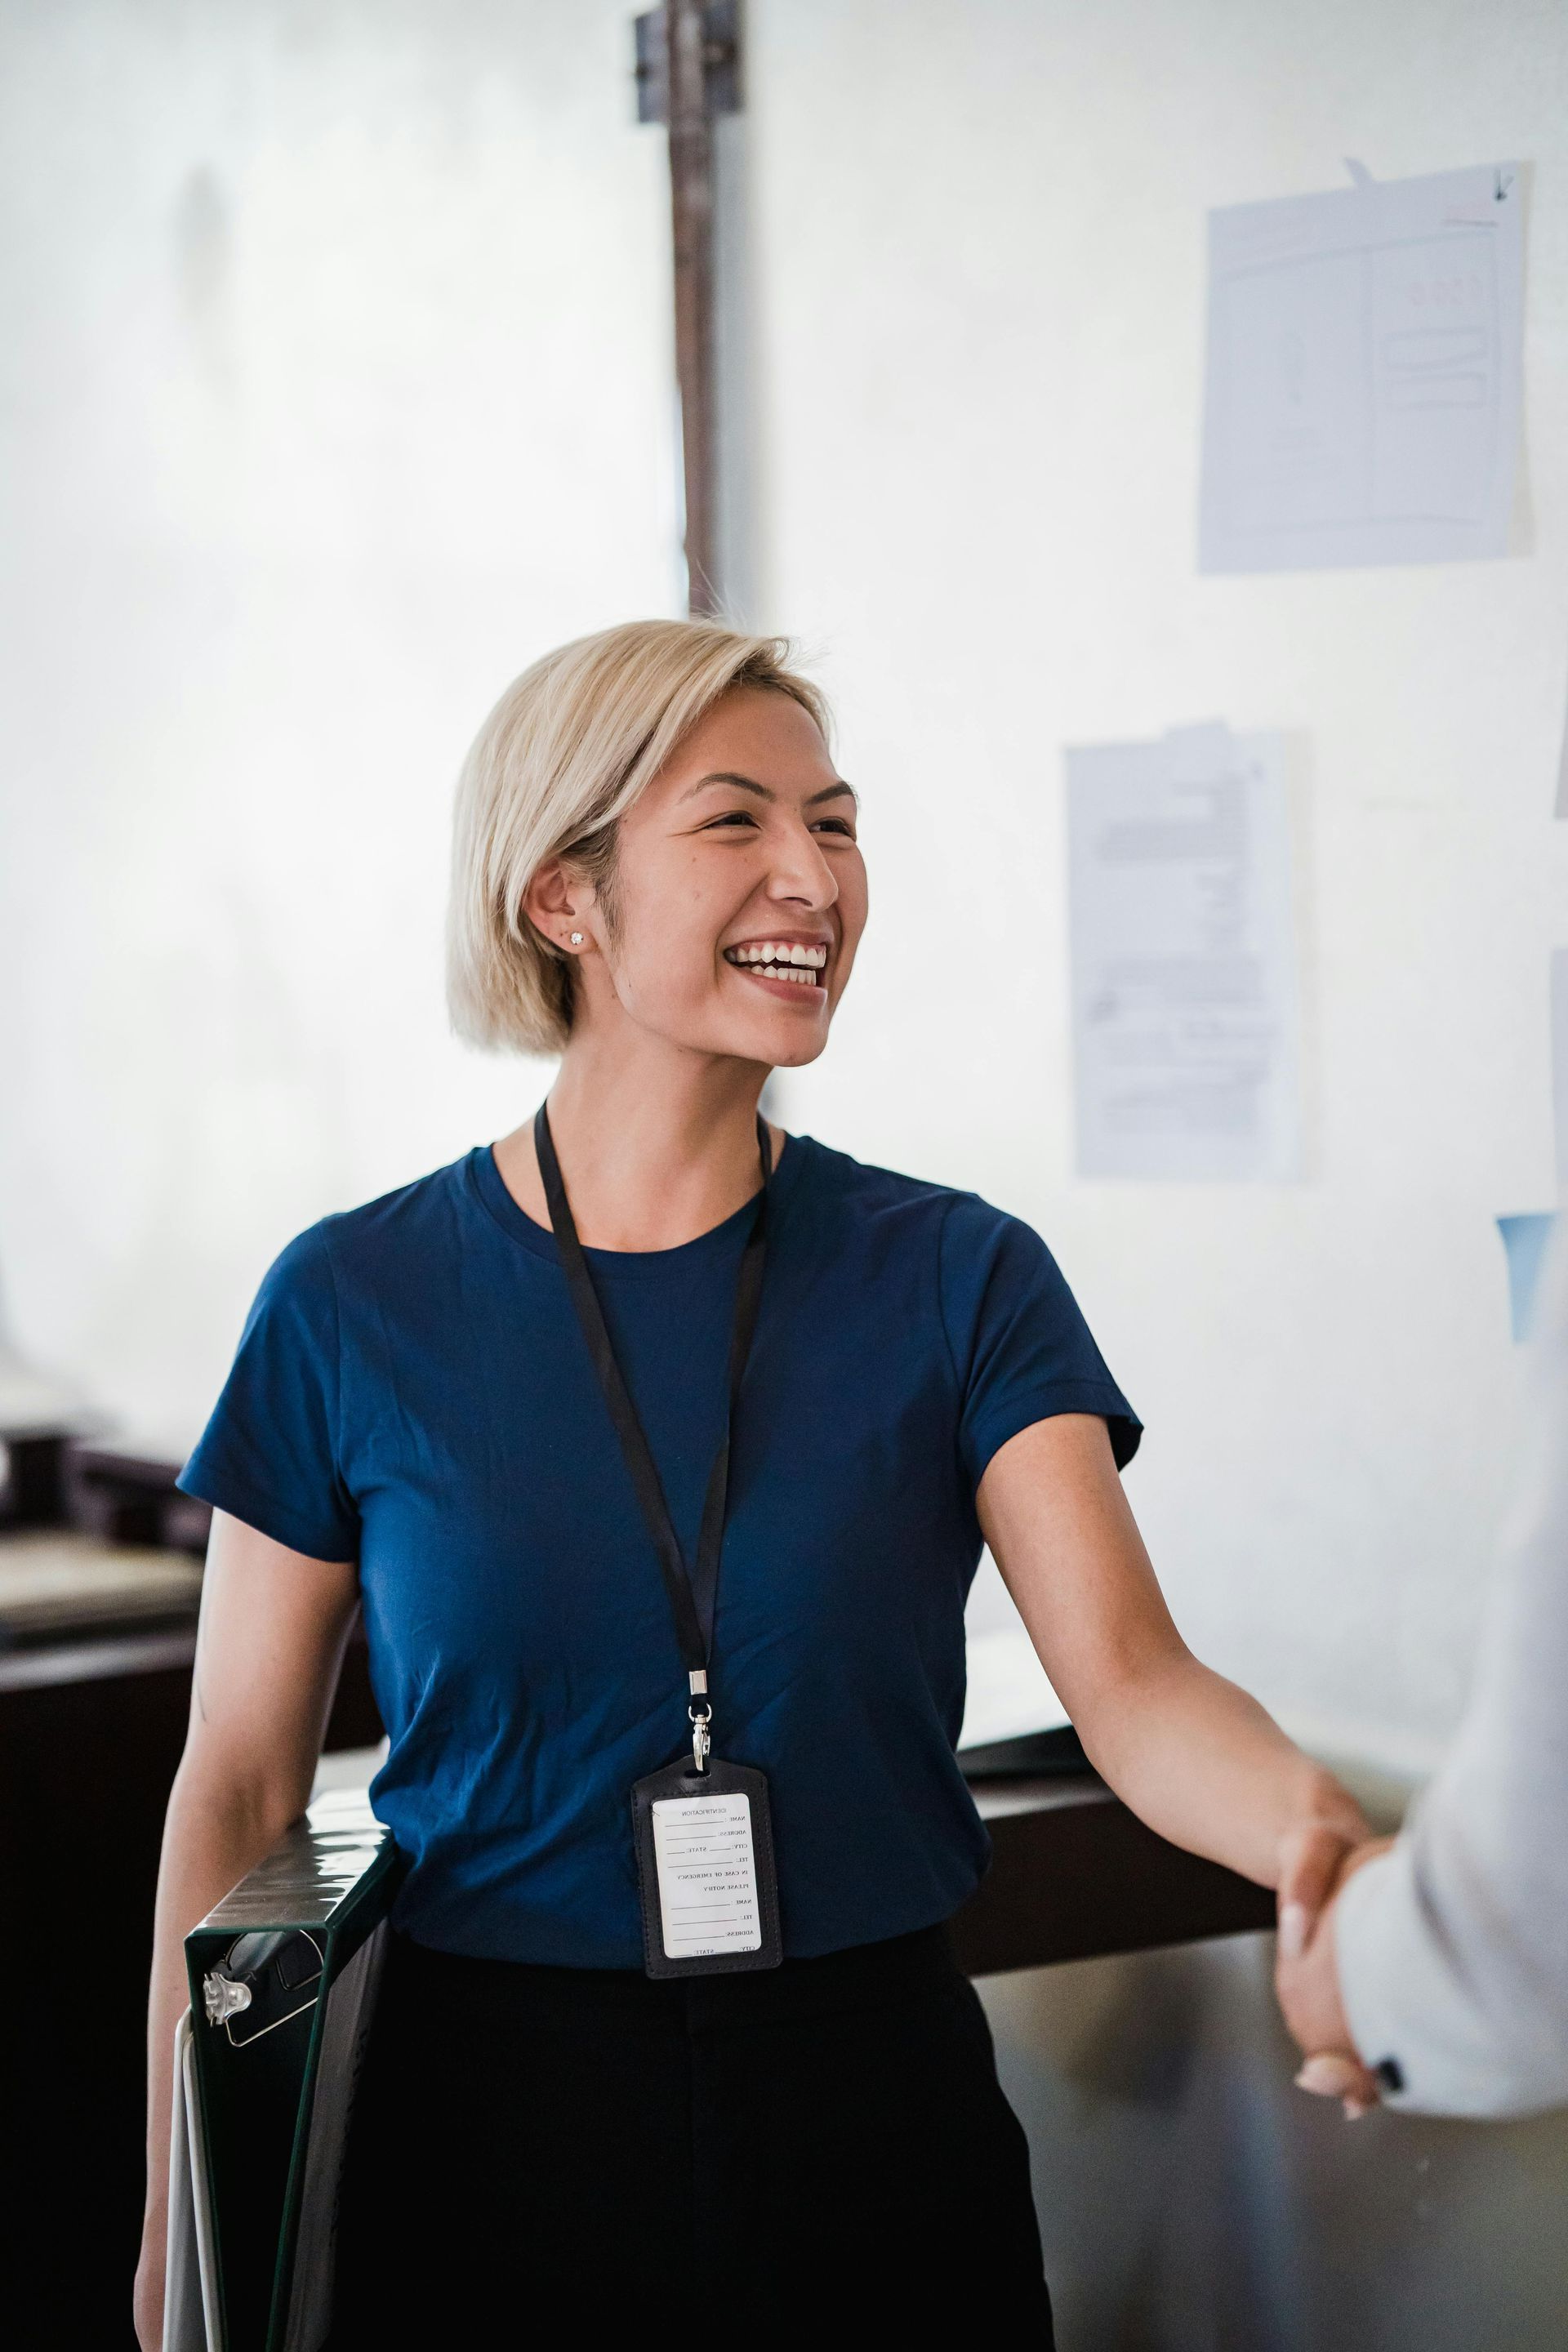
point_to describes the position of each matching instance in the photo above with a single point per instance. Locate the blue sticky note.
(1525, 1240)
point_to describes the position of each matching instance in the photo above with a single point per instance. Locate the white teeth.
(781, 958)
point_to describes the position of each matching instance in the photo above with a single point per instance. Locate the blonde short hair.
(561, 759)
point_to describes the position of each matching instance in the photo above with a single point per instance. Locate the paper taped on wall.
(1183, 969)
(1525, 1242)
(1363, 393)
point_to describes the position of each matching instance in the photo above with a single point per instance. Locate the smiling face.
(739, 894)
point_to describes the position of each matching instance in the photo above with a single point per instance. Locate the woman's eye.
(734, 820)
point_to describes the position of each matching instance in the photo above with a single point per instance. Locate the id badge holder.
(705, 1871)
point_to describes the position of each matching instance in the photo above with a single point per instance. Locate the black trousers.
(822, 2145)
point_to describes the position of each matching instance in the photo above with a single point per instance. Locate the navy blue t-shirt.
(412, 1391)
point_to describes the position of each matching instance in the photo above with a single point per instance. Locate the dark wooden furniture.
(130, 1498)
(32, 1479)
(1075, 1875)
(90, 1734)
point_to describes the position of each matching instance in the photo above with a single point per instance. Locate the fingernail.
(1354, 2109)
(1293, 1930)
(1327, 2076)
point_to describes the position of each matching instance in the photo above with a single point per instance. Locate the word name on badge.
(707, 1875)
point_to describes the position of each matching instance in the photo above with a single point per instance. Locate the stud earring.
(576, 938)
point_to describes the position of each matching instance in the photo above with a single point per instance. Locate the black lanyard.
(694, 1592)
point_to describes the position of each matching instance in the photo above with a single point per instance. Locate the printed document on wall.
(1183, 965)
(1363, 388)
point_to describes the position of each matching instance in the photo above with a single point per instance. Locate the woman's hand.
(1315, 1863)
(1192, 1755)
(1312, 1857)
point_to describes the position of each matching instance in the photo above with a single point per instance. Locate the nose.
(799, 874)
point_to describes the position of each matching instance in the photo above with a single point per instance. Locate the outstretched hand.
(1314, 1864)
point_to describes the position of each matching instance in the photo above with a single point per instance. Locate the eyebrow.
(765, 792)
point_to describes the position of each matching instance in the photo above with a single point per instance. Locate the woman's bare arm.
(1192, 1754)
(273, 1627)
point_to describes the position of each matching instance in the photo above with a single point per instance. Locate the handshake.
(1315, 1863)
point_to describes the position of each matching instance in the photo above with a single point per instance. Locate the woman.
(657, 875)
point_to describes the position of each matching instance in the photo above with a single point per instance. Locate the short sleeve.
(1021, 1348)
(270, 1454)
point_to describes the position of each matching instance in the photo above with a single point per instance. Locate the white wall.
(978, 236)
(335, 387)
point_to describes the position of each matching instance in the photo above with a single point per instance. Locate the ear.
(555, 901)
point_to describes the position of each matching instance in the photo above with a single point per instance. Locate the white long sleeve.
(1453, 1948)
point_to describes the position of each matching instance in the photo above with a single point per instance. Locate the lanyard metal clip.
(701, 1717)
